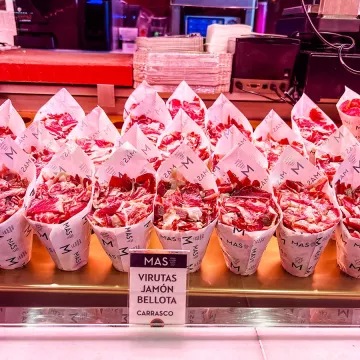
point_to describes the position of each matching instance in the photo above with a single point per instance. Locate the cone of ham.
(17, 181)
(60, 115)
(37, 141)
(184, 130)
(249, 214)
(273, 136)
(58, 207)
(312, 124)
(185, 207)
(142, 92)
(96, 135)
(310, 212)
(346, 184)
(330, 155)
(185, 98)
(11, 122)
(142, 144)
(151, 116)
(221, 116)
(122, 211)
(349, 110)
(231, 138)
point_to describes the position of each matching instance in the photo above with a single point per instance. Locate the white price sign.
(157, 287)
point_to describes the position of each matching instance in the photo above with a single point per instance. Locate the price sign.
(157, 287)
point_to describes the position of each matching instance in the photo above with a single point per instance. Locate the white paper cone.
(61, 102)
(68, 243)
(184, 93)
(340, 143)
(143, 91)
(234, 137)
(276, 127)
(10, 118)
(194, 241)
(220, 112)
(140, 142)
(302, 109)
(348, 253)
(351, 122)
(38, 136)
(242, 249)
(118, 241)
(152, 107)
(185, 125)
(96, 126)
(15, 233)
(194, 171)
(300, 252)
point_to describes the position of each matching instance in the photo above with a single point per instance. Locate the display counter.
(65, 67)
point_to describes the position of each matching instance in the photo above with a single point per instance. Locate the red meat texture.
(351, 107)
(172, 141)
(123, 201)
(59, 125)
(215, 160)
(329, 164)
(59, 198)
(349, 201)
(4, 131)
(150, 127)
(192, 108)
(182, 206)
(97, 150)
(314, 128)
(40, 158)
(244, 205)
(272, 149)
(12, 192)
(306, 208)
(216, 131)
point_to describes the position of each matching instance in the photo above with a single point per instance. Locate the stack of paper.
(204, 72)
(171, 43)
(218, 35)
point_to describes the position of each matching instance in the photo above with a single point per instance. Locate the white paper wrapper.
(348, 246)
(10, 118)
(341, 142)
(140, 142)
(153, 107)
(38, 136)
(96, 126)
(234, 137)
(60, 103)
(117, 242)
(300, 253)
(242, 249)
(143, 91)
(67, 243)
(195, 171)
(184, 124)
(15, 233)
(185, 93)
(276, 127)
(302, 109)
(222, 109)
(351, 122)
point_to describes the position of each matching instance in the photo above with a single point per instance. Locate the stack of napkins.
(171, 43)
(218, 35)
(204, 72)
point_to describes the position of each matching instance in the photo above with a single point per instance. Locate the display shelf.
(99, 284)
